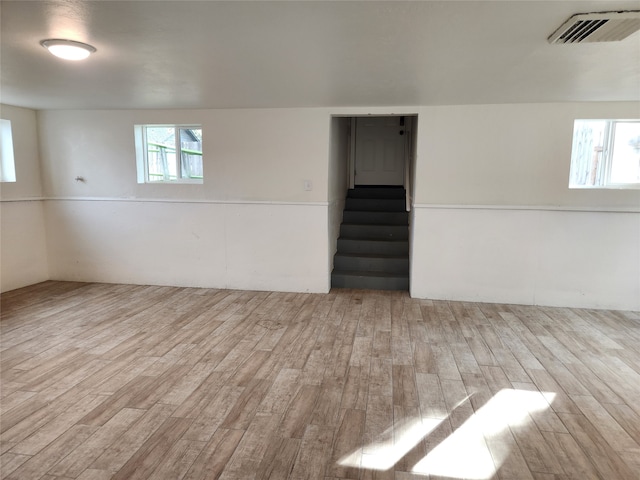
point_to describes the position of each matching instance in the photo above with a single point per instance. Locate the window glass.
(191, 147)
(170, 153)
(605, 154)
(625, 161)
(7, 162)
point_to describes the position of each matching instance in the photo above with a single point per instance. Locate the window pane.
(605, 153)
(587, 162)
(161, 154)
(169, 153)
(191, 146)
(7, 164)
(625, 162)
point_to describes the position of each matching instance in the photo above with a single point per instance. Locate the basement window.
(7, 161)
(169, 153)
(605, 154)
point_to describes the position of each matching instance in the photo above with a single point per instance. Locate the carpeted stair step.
(371, 263)
(377, 192)
(369, 280)
(374, 232)
(375, 247)
(376, 204)
(375, 218)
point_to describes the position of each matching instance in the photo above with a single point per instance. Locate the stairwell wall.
(337, 180)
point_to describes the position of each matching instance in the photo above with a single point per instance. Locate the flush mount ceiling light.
(68, 49)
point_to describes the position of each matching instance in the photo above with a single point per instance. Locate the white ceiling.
(210, 54)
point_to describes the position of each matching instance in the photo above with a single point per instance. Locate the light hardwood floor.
(132, 382)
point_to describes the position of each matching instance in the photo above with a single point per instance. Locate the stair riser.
(373, 192)
(374, 247)
(375, 204)
(376, 218)
(371, 264)
(370, 283)
(375, 232)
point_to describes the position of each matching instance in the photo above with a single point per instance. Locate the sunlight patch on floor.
(383, 455)
(394, 443)
(464, 453)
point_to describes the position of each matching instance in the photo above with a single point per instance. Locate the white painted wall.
(250, 225)
(28, 182)
(217, 245)
(254, 155)
(509, 155)
(544, 257)
(494, 220)
(411, 188)
(23, 255)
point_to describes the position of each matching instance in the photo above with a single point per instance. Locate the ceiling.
(238, 54)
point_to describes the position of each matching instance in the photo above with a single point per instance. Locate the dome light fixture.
(68, 49)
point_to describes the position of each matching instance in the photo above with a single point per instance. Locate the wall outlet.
(308, 185)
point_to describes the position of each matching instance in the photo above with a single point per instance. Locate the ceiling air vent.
(597, 27)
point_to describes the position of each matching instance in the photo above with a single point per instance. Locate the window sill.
(626, 186)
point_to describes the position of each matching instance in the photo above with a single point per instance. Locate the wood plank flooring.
(141, 382)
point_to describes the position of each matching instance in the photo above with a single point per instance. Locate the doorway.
(380, 147)
(371, 165)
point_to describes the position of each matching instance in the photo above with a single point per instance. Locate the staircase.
(373, 248)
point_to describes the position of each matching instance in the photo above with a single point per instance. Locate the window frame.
(606, 156)
(142, 154)
(7, 152)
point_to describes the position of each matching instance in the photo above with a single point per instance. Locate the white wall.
(23, 255)
(253, 155)
(509, 155)
(494, 220)
(218, 245)
(250, 225)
